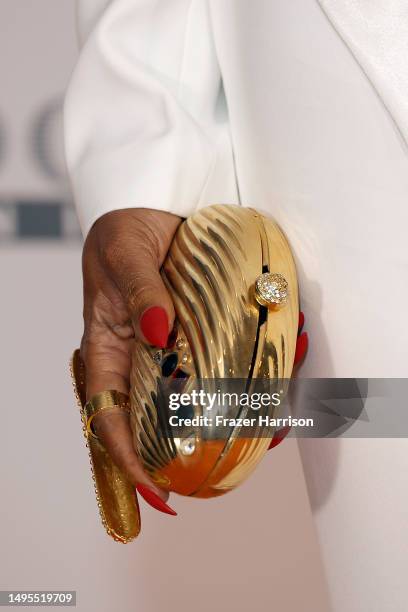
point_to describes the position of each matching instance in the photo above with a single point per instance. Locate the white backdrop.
(38, 49)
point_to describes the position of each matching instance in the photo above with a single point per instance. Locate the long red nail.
(301, 347)
(301, 322)
(278, 436)
(154, 324)
(154, 500)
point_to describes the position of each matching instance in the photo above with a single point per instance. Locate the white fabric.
(317, 121)
(145, 120)
(376, 32)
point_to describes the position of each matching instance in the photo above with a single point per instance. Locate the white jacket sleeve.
(144, 119)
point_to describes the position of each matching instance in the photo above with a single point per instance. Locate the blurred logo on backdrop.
(35, 201)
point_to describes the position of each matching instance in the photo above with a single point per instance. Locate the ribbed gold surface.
(210, 271)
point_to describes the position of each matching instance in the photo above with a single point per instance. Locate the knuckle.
(113, 254)
(92, 340)
(138, 292)
(134, 286)
(133, 242)
(85, 347)
(93, 329)
(148, 236)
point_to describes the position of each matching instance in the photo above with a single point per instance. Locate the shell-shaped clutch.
(232, 278)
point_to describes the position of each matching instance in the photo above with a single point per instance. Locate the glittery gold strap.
(115, 495)
(104, 401)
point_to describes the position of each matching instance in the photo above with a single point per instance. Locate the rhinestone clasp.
(271, 290)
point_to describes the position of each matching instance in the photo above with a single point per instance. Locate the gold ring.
(105, 400)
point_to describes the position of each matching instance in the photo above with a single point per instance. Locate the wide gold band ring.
(103, 401)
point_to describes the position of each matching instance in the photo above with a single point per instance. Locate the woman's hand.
(124, 298)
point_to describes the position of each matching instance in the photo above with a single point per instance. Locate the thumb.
(147, 300)
(135, 268)
(151, 309)
(154, 326)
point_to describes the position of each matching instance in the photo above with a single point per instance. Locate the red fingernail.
(154, 324)
(279, 436)
(301, 322)
(154, 500)
(301, 347)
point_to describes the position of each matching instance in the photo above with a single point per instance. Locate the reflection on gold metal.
(115, 495)
(211, 272)
(103, 402)
(271, 290)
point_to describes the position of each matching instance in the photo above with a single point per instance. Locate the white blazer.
(299, 108)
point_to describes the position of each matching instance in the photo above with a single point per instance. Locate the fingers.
(135, 270)
(155, 324)
(113, 430)
(301, 322)
(107, 363)
(302, 344)
(107, 367)
(133, 256)
(124, 296)
(279, 436)
(301, 348)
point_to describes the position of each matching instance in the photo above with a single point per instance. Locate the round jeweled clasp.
(271, 290)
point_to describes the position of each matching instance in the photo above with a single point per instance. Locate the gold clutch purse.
(233, 282)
